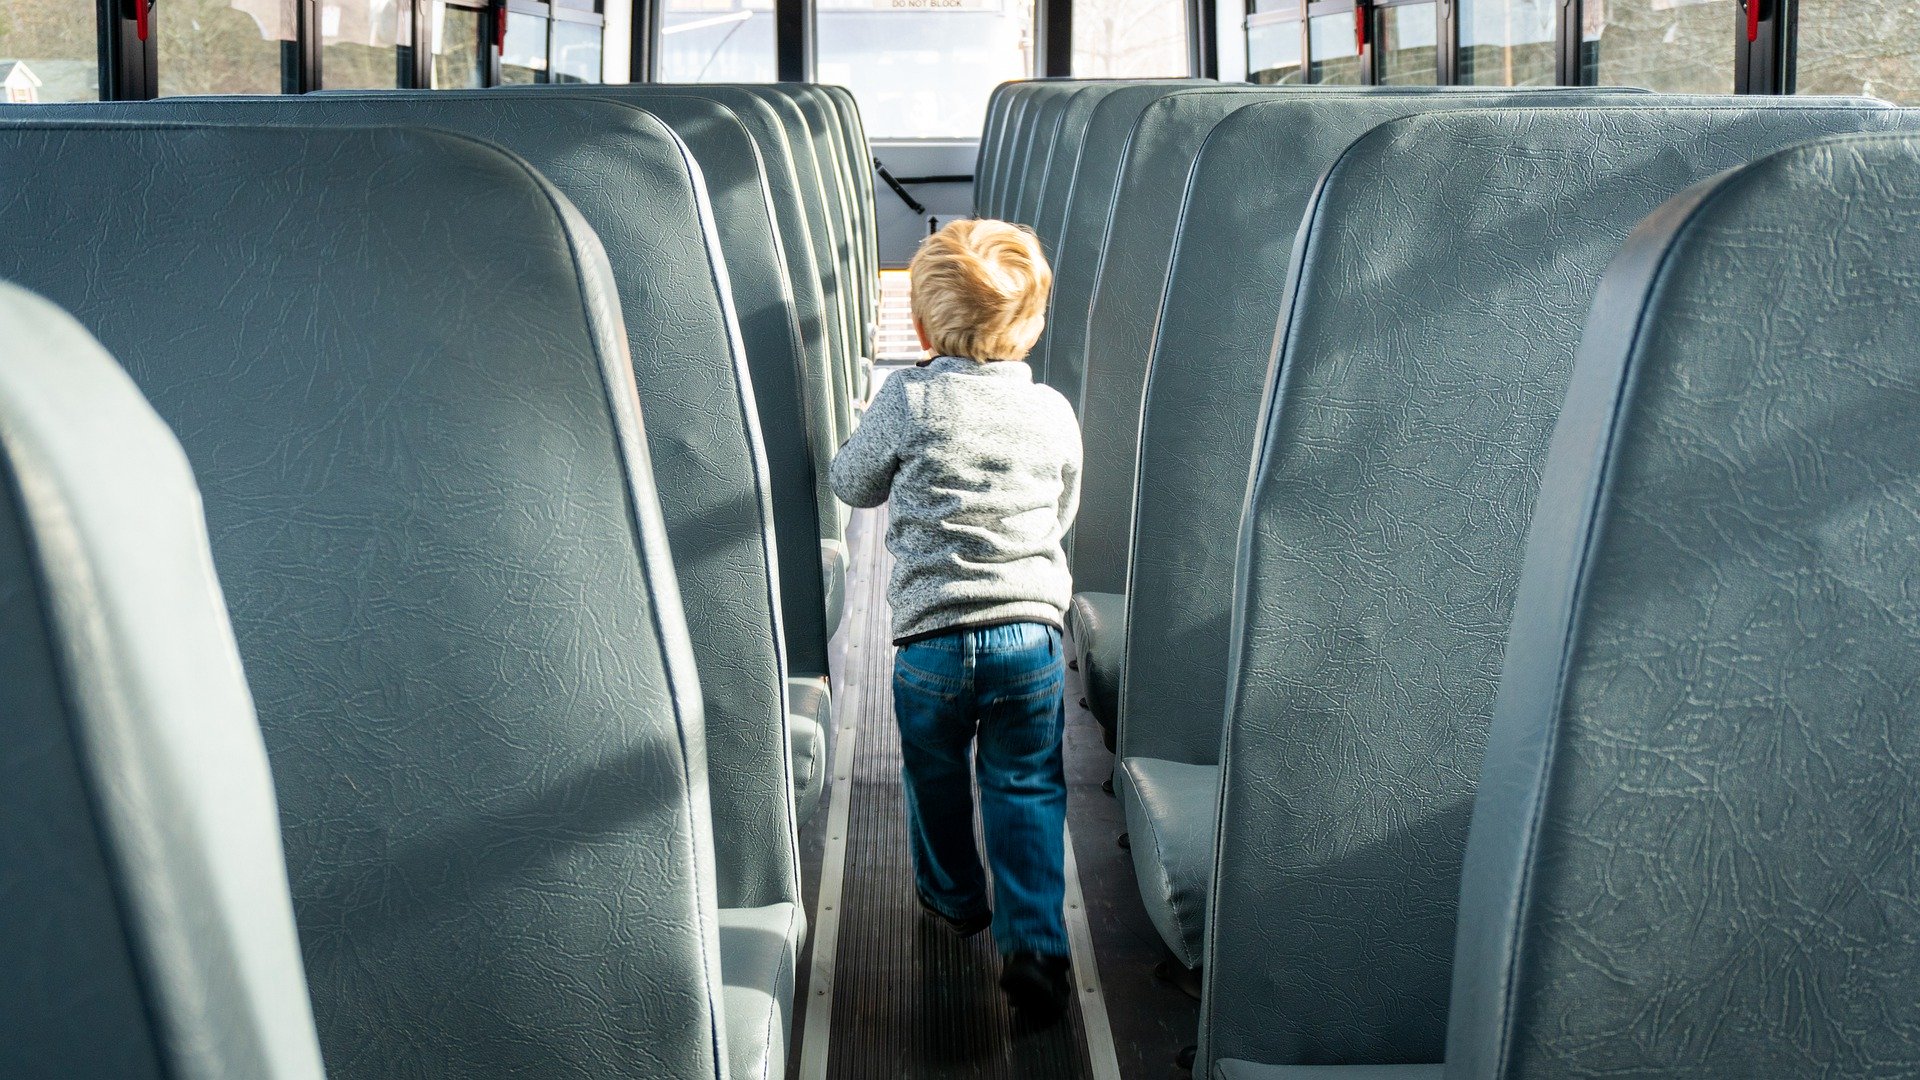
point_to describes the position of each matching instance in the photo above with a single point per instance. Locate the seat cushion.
(833, 575)
(811, 696)
(809, 745)
(1099, 624)
(1171, 816)
(1248, 1070)
(758, 947)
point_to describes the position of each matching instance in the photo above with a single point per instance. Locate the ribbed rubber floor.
(912, 1000)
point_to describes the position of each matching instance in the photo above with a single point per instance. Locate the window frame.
(129, 65)
(1763, 64)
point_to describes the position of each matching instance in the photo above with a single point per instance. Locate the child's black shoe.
(1037, 986)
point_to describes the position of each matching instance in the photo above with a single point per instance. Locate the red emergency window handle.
(1359, 25)
(142, 11)
(500, 28)
(1753, 20)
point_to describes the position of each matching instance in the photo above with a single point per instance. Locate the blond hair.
(980, 289)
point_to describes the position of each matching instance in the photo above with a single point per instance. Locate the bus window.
(1273, 42)
(360, 43)
(1333, 49)
(1849, 47)
(459, 46)
(1129, 39)
(717, 41)
(1682, 46)
(1508, 42)
(1408, 37)
(523, 56)
(223, 46)
(49, 51)
(576, 52)
(923, 69)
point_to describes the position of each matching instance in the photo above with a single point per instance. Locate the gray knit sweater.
(983, 470)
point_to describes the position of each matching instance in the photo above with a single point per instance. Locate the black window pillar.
(793, 39)
(416, 63)
(1053, 30)
(1568, 66)
(1763, 47)
(129, 70)
(646, 40)
(1203, 38)
(306, 70)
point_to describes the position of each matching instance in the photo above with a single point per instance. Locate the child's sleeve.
(862, 472)
(1070, 480)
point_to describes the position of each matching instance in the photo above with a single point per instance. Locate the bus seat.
(1170, 808)
(834, 568)
(842, 201)
(1204, 376)
(1026, 208)
(148, 928)
(1033, 142)
(810, 725)
(986, 154)
(738, 163)
(1129, 270)
(866, 213)
(997, 143)
(813, 159)
(1128, 267)
(1062, 345)
(758, 954)
(1399, 464)
(806, 642)
(431, 506)
(1093, 618)
(697, 405)
(1698, 769)
(1057, 183)
(1129, 273)
(808, 742)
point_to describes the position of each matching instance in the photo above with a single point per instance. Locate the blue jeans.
(1006, 686)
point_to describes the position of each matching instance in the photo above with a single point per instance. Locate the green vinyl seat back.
(825, 113)
(863, 176)
(1061, 350)
(1056, 181)
(1130, 260)
(1128, 269)
(430, 505)
(1034, 145)
(1699, 768)
(865, 217)
(149, 932)
(1423, 356)
(748, 169)
(1026, 209)
(612, 159)
(984, 151)
(1207, 364)
(813, 160)
(991, 162)
(837, 179)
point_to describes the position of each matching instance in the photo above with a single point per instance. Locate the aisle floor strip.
(818, 1036)
(1086, 977)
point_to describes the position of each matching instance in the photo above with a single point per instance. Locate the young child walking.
(982, 467)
